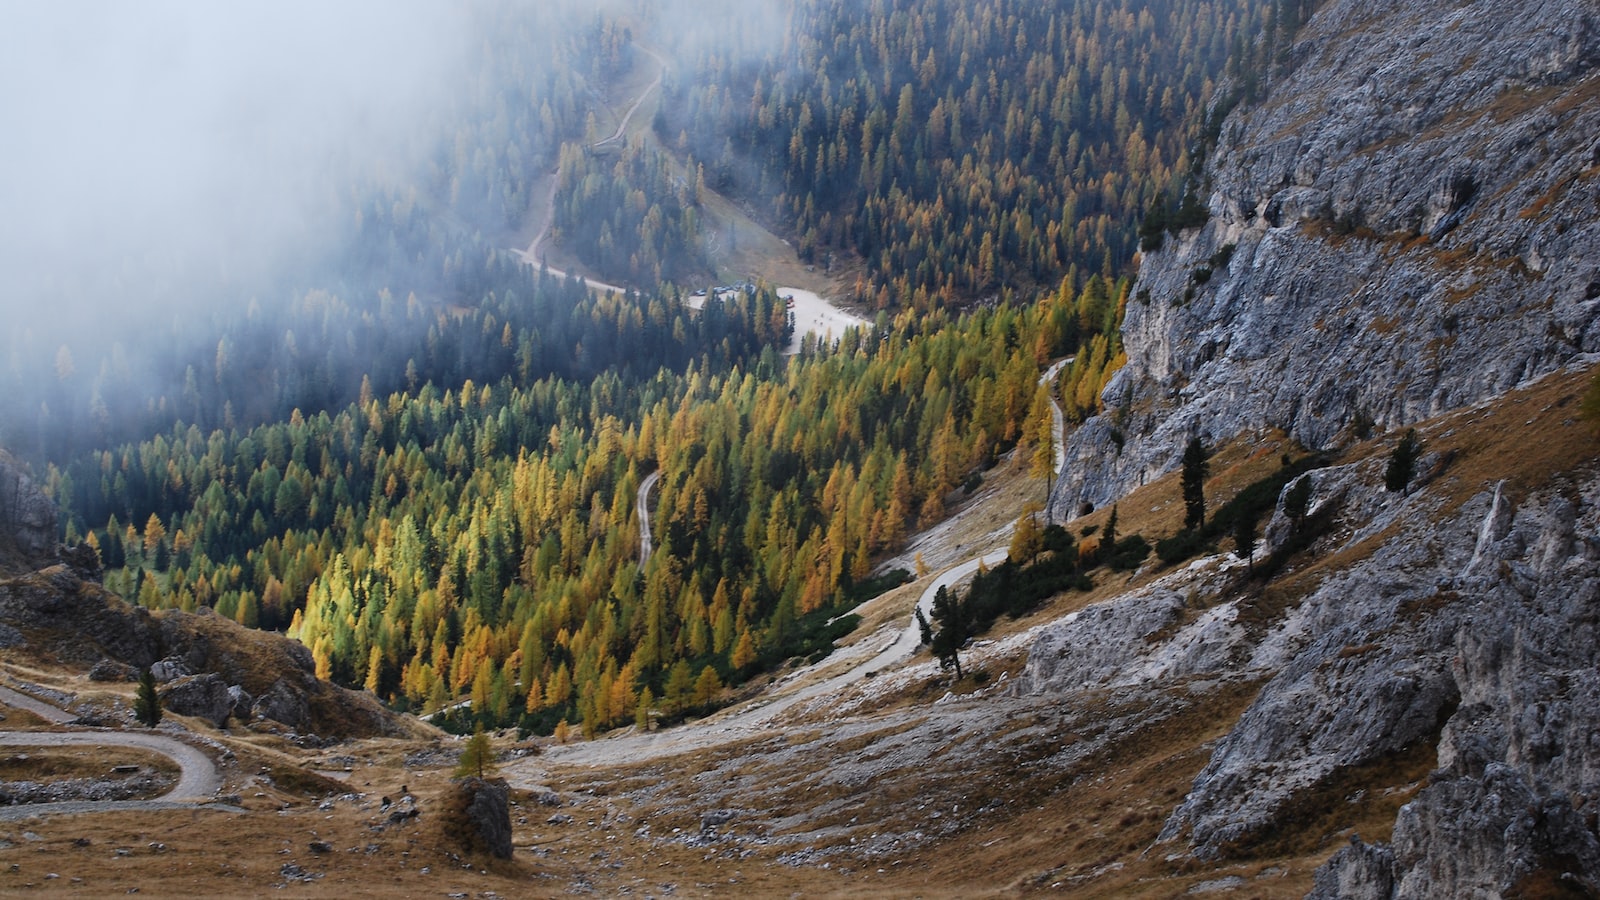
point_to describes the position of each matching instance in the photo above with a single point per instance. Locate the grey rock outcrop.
(170, 669)
(1467, 631)
(1410, 215)
(201, 696)
(281, 703)
(1404, 225)
(27, 519)
(487, 805)
(240, 702)
(111, 670)
(1138, 638)
(1519, 770)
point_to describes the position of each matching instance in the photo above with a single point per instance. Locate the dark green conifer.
(146, 705)
(1195, 470)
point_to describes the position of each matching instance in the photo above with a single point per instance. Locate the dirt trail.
(627, 117)
(1058, 416)
(197, 783)
(646, 543)
(812, 313)
(43, 710)
(531, 255)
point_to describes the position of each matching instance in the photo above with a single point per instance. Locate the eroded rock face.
(281, 703)
(1409, 225)
(1465, 636)
(201, 696)
(27, 517)
(1519, 768)
(240, 702)
(1405, 225)
(489, 812)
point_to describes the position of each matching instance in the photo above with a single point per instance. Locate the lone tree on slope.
(1195, 470)
(1403, 462)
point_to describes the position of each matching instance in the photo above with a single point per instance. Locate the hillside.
(1274, 656)
(1402, 227)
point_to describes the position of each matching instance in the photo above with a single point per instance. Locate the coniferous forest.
(420, 455)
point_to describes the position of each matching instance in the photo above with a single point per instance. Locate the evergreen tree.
(1195, 470)
(924, 629)
(1244, 538)
(954, 628)
(477, 758)
(146, 705)
(1403, 463)
(1108, 540)
(641, 713)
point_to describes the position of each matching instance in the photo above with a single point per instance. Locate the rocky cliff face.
(1437, 632)
(1511, 807)
(1408, 223)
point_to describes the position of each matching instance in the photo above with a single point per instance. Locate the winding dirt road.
(812, 314)
(531, 255)
(1058, 416)
(627, 117)
(198, 781)
(646, 543)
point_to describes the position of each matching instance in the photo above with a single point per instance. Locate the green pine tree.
(1195, 470)
(146, 705)
(955, 627)
(1403, 462)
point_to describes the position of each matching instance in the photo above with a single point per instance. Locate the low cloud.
(148, 146)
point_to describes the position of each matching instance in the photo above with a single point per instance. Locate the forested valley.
(961, 150)
(419, 455)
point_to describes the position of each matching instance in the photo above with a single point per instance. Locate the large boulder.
(486, 806)
(282, 703)
(201, 696)
(170, 669)
(111, 670)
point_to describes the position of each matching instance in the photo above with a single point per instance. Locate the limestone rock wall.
(1411, 223)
